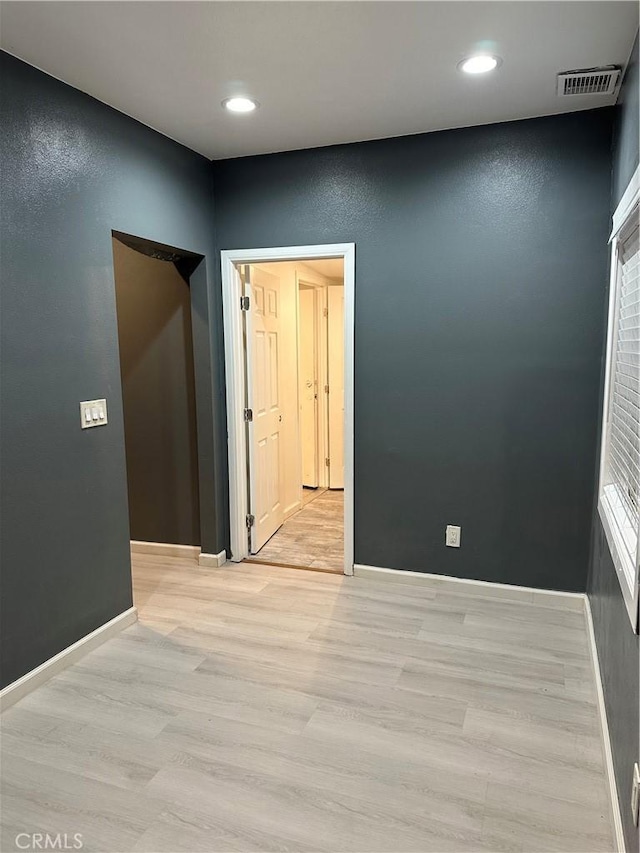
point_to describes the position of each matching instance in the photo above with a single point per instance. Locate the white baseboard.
(15, 691)
(616, 816)
(548, 597)
(164, 549)
(293, 509)
(213, 561)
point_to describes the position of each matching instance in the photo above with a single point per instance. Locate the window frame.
(610, 509)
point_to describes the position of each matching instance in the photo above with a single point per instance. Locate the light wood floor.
(313, 537)
(309, 494)
(264, 709)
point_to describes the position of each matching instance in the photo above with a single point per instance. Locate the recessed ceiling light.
(479, 64)
(239, 105)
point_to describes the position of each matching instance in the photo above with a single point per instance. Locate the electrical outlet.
(635, 793)
(452, 538)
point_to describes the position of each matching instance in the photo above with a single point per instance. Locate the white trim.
(234, 375)
(619, 556)
(626, 204)
(321, 324)
(322, 332)
(192, 552)
(234, 380)
(293, 509)
(549, 597)
(616, 817)
(213, 561)
(15, 691)
(630, 200)
(164, 549)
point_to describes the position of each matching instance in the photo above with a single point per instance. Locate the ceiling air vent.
(588, 81)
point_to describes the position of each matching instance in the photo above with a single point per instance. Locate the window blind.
(622, 466)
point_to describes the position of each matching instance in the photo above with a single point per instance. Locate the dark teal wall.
(73, 170)
(480, 260)
(618, 648)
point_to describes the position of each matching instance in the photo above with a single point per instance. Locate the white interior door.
(263, 399)
(335, 298)
(308, 385)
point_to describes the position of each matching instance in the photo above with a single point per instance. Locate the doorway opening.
(153, 306)
(294, 345)
(289, 370)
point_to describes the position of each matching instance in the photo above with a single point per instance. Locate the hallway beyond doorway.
(313, 538)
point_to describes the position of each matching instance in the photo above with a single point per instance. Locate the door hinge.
(325, 312)
(251, 520)
(244, 303)
(326, 389)
(248, 415)
(326, 461)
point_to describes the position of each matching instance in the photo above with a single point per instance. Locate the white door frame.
(235, 381)
(322, 412)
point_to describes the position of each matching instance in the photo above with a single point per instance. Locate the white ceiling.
(329, 267)
(324, 72)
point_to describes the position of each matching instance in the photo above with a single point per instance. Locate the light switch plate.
(93, 413)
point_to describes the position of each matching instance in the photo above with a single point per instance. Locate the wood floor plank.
(92, 752)
(36, 796)
(313, 536)
(514, 813)
(255, 708)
